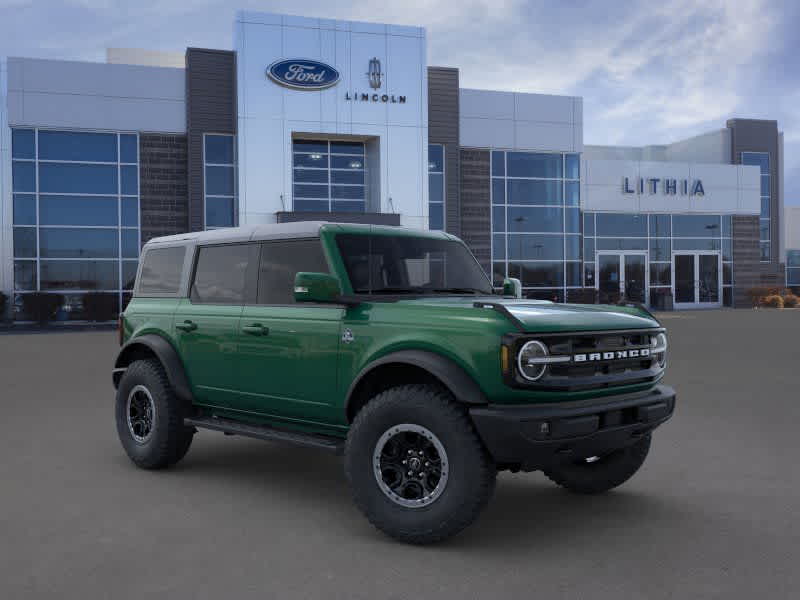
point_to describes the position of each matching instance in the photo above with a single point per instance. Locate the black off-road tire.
(169, 439)
(470, 478)
(605, 473)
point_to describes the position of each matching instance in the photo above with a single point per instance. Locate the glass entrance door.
(622, 276)
(697, 279)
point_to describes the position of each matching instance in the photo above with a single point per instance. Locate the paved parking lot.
(715, 512)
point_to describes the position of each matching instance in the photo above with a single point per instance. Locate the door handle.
(256, 329)
(187, 325)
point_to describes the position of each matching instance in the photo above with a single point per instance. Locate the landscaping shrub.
(758, 295)
(790, 301)
(773, 301)
(41, 306)
(99, 306)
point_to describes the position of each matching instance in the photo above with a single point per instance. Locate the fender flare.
(452, 376)
(166, 354)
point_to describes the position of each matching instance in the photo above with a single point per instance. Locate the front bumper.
(532, 437)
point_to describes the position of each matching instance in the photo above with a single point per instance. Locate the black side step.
(265, 432)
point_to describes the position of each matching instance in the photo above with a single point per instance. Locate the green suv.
(389, 346)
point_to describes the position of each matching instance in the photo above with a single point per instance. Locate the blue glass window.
(347, 162)
(498, 191)
(130, 212)
(311, 205)
(347, 206)
(312, 175)
(499, 247)
(695, 244)
(80, 275)
(77, 210)
(23, 143)
(310, 146)
(23, 176)
(588, 249)
(765, 191)
(219, 181)
(436, 187)
(128, 149)
(24, 209)
(530, 164)
(572, 191)
(573, 166)
(538, 274)
(498, 218)
(535, 247)
(130, 243)
(696, 225)
(660, 249)
(312, 161)
(25, 275)
(24, 242)
(129, 180)
(77, 178)
(535, 219)
(793, 258)
(572, 246)
(727, 249)
(621, 225)
(588, 224)
(727, 226)
(129, 273)
(436, 216)
(530, 191)
(347, 192)
(498, 163)
(435, 158)
(572, 220)
(573, 274)
(77, 146)
(219, 212)
(356, 177)
(759, 159)
(78, 243)
(219, 150)
(347, 148)
(621, 244)
(660, 226)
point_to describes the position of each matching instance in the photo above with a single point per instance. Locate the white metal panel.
(300, 42)
(405, 77)
(261, 156)
(543, 107)
(486, 104)
(405, 147)
(364, 47)
(546, 136)
(486, 133)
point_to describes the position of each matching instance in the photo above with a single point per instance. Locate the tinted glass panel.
(572, 220)
(727, 249)
(311, 175)
(498, 273)
(436, 216)
(572, 190)
(695, 244)
(727, 273)
(23, 176)
(219, 212)
(78, 243)
(727, 225)
(765, 185)
(660, 226)
(310, 191)
(588, 224)
(24, 209)
(535, 247)
(129, 180)
(765, 207)
(24, 242)
(129, 274)
(528, 164)
(539, 220)
(660, 249)
(498, 164)
(358, 177)
(310, 146)
(25, 275)
(79, 275)
(573, 166)
(696, 225)
(73, 145)
(588, 274)
(23, 144)
(161, 271)
(793, 277)
(760, 159)
(521, 191)
(436, 187)
(128, 149)
(347, 206)
(621, 244)
(572, 245)
(573, 274)
(347, 162)
(661, 274)
(347, 148)
(219, 181)
(764, 229)
(793, 258)
(280, 262)
(77, 210)
(219, 149)
(499, 247)
(498, 191)
(311, 205)
(130, 243)
(220, 274)
(347, 192)
(315, 161)
(436, 158)
(130, 212)
(765, 251)
(621, 225)
(538, 274)
(498, 218)
(78, 179)
(588, 249)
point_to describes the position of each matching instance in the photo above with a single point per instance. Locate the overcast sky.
(650, 72)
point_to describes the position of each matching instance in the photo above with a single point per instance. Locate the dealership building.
(310, 119)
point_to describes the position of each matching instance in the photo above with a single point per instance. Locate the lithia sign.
(667, 186)
(306, 74)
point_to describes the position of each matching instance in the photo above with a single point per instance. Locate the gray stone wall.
(163, 190)
(476, 217)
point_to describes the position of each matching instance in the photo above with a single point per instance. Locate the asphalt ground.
(714, 513)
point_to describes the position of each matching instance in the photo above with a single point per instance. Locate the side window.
(219, 277)
(161, 271)
(280, 262)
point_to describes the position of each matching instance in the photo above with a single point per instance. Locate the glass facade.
(75, 215)
(793, 268)
(219, 170)
(536, 221)
(435, 186)
(761, 160)
(328, 176)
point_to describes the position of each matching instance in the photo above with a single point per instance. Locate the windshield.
(385, 264)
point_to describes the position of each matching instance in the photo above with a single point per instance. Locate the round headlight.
(530, 360)
(658, 347)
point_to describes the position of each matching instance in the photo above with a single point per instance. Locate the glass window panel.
(78, 243)
(572, 220)
(695, 244)
(588, 224)
(79, 275)
(347, 192)
(535, 247)
(498, 191)
(765, 185)
(280, 262)
(498, 273)
(129, 183)
(311, 175)
(793, 258)
(24, 209)
(660, 226)
(763, 229)
(348, 206)
(436, 187)
(588, 274)
(311, 205)
(793, 277)
(521, 191)
(23, 176)
(498, 163)
(765, 208)
(316, 161)
(538, 220)
(219, 274)
(573, 274)
(573, 166)
(572, 245)
(23, 143)
(219, 212)
(572, 190)
(130, 243)
(696, 225)
(347, 148)
(77, 179)
(588, 249)
(498, 218)
(77, 145)
(310, 191)
(727, 273)
(727, 297)
(661, 274)
(25, 275)
(436, 216)
(130, 212)
(435, 158)
(25, 242)
(499, 247)
(543, 274)
(310, 146)
(161, 271)
(556, 295)
(219, 149)
(128, 148)
(621, 243)
(766, 251)
(759, 159)
(532, 164)
(347, 162)
(660, 249)
(77, 210)
(622, 225)
(219, 181)
(129, 273)
(727, 249)
(727, 226)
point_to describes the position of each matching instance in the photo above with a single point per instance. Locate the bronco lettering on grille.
(616, 355)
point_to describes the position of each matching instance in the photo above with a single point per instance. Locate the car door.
(287, 351)
(206, 322)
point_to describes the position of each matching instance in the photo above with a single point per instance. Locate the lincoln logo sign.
(302, 74)
(667, 186)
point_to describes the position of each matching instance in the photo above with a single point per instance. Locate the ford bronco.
(389, 346)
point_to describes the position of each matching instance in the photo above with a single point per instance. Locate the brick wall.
(163, 181)
(476, 218)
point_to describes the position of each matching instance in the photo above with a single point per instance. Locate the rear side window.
(219, 277)
(280, 262)
(161, 271)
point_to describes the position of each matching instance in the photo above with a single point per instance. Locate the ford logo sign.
(303, 74)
